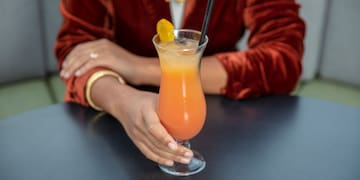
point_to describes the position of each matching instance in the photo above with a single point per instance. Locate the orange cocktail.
(182, 106)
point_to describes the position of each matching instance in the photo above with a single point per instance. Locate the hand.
(143, 126)
(103, 53)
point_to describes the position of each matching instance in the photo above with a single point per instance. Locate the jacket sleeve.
(83, 20)
(272, 63)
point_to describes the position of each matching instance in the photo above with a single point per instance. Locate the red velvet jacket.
(271, 65)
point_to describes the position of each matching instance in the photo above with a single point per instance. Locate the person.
(105, 52)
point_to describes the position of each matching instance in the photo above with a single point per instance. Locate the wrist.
(149, 72)
(98, 83)
(119, 100)
(113, 97)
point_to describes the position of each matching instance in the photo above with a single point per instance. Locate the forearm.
(213, 75)
(148, 72)
(107, 91)
(212, 72)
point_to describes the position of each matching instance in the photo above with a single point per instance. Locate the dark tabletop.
(280, 137)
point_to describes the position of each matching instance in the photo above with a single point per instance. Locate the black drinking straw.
(205, 24)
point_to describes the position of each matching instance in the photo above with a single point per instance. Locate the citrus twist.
(165, 30)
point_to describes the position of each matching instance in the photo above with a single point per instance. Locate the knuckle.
(164, 140)
(135, 133)
(89, 64)
(152, 128)
(68, 58)
(78, 47)
(177, 158)
(75, 64)
(160, 137)
(158, 134)
(160, 160)
(86, 66)
(138, 123)
(70, 68)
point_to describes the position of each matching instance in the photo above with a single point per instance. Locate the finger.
(162, 151)
(74, 54)
(87, 66)
(68, 58)
(81, 50)
(180, 152)
(166, 154)
(77, 56)
(156, 130)
(153, 156)
(74, 66)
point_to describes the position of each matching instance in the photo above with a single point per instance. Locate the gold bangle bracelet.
(93, 78)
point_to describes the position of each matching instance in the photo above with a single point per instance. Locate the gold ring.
(94, 55)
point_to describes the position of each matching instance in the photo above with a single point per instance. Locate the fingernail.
(66, 75)
(61, 73)
(185, 160)
(77, 73)
(169, 163)
(188, 154)
(172, 146)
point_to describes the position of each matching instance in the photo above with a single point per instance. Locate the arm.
(136, 110)
(83, 21)
(272, 65)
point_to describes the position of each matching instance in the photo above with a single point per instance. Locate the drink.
(182, 106)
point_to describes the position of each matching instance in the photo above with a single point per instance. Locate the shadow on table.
(244, 133)
(235, 131)
(111, 136)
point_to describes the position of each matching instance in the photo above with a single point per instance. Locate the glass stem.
(184, 143)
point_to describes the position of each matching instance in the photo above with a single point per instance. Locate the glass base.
(196, 165)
